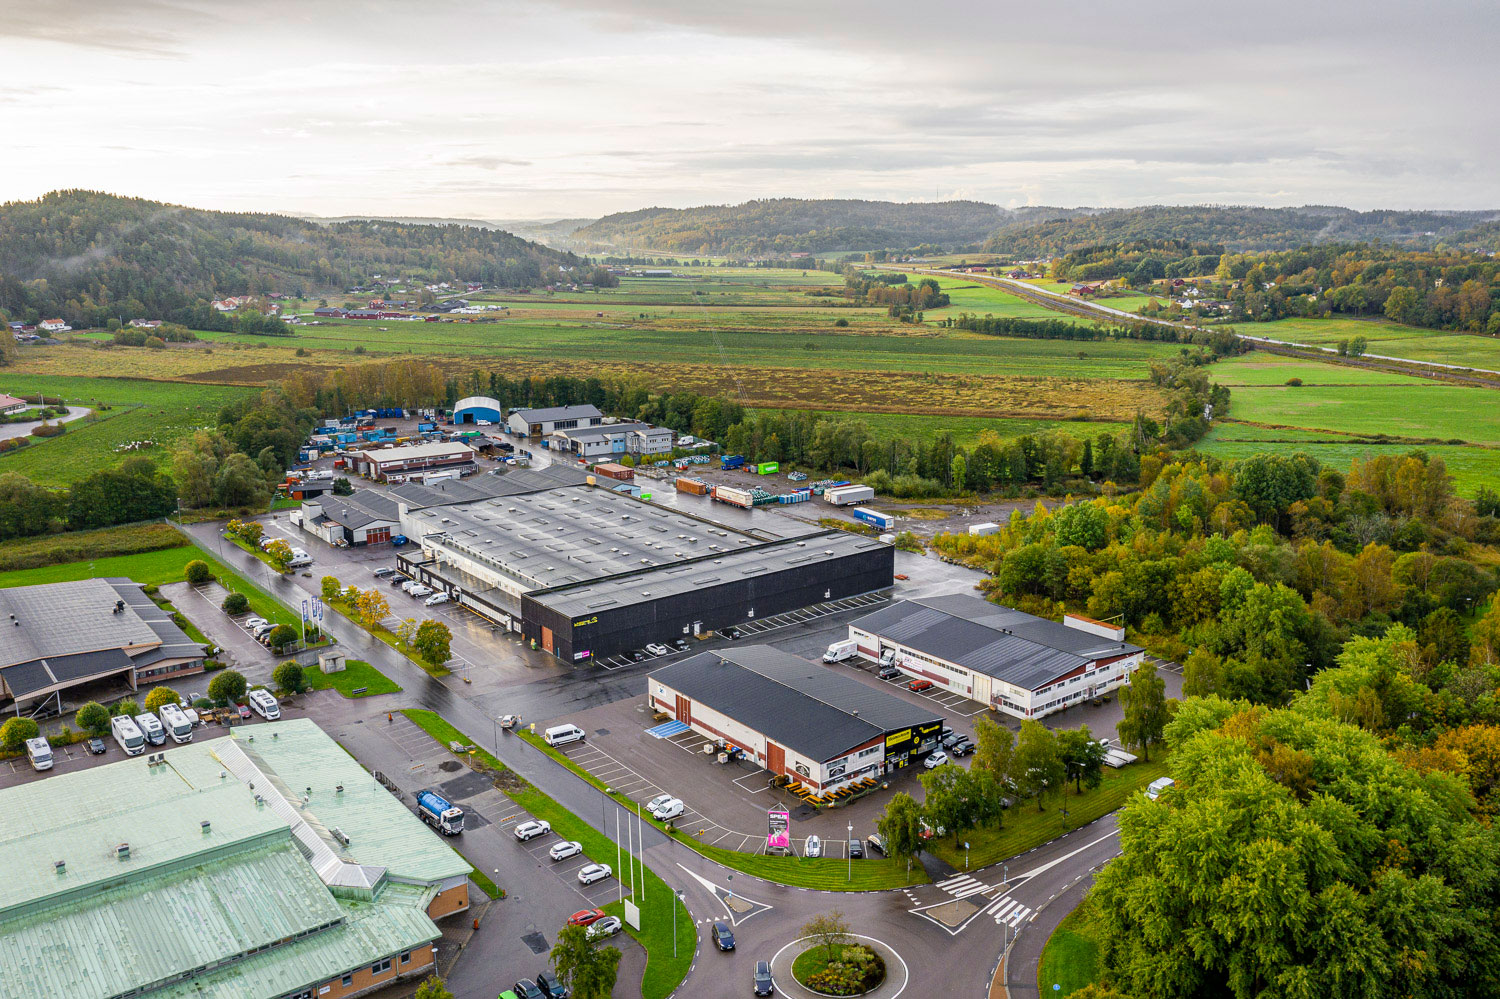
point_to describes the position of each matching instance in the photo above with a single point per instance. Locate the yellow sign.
(896, 738)
(580, 624)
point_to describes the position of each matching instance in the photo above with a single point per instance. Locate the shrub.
(126, 707)
(15, 732)
(227, 687)
(841, 323)
(48, 430)
(160, 696)
(288, 676)
(236, 603)
(155, 342)
(93, 718)
(282, 635)
(1294, 382)
(198, 572)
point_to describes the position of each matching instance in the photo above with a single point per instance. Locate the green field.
(1260, 368)
(165, 412)
(1423, 410)
(983, 299)
(1388, 338)
(357, 679)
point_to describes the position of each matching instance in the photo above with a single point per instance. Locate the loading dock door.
(775, 758)
(684, 710)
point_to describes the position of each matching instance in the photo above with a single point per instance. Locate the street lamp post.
(850, 853)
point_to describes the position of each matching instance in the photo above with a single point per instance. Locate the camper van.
(176, 723)
(39, 751)
(128, 735)
(263, 704)
(561, 735)
(151, 728)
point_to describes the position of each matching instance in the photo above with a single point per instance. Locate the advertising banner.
(780, 837)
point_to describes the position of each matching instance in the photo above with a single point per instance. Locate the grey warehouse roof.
(552, 413)
(813, 710)
(759, 560)
(501, 482)
(1001, 642)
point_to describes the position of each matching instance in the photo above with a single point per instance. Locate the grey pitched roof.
(25, 679)
(507, 482)
(54, 619)
(367, 506)
(550, 413)
(804, 707)
(1001, 642)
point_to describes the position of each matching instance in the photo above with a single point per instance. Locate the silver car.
(593, 872)
(606, 927)
(532, 829)
(565, 849)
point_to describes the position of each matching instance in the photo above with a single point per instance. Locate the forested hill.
(792, 225)
(1243, 228)
(75, 253)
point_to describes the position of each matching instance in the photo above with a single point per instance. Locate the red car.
(244, 710)
(585, 916)
(919, 685)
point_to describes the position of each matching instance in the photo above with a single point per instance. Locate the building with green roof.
(265, 865)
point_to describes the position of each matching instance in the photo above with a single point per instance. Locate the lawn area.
(657, 902)
(387, 636)
(1421, 409)
(822, 873)
(50, 549)
(158, 567)
(358, 679)
(1071, 957)
(164, 412)
(1025, 827)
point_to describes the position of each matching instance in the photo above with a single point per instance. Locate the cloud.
(486, 162)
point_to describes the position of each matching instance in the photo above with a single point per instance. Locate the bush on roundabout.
(854, 970)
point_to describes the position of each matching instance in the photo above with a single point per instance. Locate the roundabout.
(896, 973)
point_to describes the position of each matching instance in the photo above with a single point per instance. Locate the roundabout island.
(845, 965)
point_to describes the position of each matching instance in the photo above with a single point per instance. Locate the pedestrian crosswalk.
(962, 886)
(1008, 912)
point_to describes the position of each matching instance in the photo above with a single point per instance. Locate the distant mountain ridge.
(84, 254)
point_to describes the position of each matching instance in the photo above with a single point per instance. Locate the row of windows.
(378, 968)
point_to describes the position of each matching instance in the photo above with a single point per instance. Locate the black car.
(730, 633)
(96, 745)
(723, 937)
(526, 989)
(889, 673)
(961, 746)
(953, 739)
(856, 850)
(682, 644)
(638, 656)
(763, 984)
(551, 987)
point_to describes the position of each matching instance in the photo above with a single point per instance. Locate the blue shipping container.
(884, 521)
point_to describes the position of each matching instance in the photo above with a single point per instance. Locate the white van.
(561, 735)
(263, 704)
(1156, 787)
(151, 728)
(128, 734)
(39, 751)
(839, 651)
(175, 723)
(668, 810)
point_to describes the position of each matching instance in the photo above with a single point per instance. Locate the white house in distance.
(10, 404)
(54, 326)
(1017, 663)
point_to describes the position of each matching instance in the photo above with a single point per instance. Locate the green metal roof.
(186, 898)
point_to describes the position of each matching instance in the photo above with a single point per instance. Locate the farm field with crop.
(164, 412)
(965, 429)
(1260, 368)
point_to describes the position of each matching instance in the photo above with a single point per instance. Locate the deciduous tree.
(1144, 701)
(160, 696)
(93, 718)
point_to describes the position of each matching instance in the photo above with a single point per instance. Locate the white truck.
(175, 723)
(263, 704)
(39, 752)
(151, 728)
(839, 651)
(128, 734)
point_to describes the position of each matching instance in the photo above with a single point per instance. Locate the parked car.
(583, 917)
(657, 802)
(533, 829)
(407, 585)
(814, 847)
(936, 760)
(681, 644)
(730, 633)
(723, 937)
(398, 580)
(961, 746)
(435, 599)
(919, 684)
(384, 571)
(550, 986)
(949, 738)
(565, 849)
(96, 745)
(856, 850)
(888, 673)
(253, 621)
(420, 591)
(244, 711)
(657, 649)
(668, 810)
(638, 656)
(262, 629)
(527, 989)
(876, 843)
(764, 986)
(590, 873)
(606, 927)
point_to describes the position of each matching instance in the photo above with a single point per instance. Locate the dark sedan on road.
(723, 937)
(764, 986)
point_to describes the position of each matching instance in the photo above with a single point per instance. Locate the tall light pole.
(849, 850)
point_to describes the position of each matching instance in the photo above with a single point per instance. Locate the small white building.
(10, 404)
(54, 326)
(627, 437)
(1017, 663)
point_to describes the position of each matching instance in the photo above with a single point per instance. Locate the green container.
(767, 468)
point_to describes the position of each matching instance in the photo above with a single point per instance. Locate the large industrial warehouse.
(820, 728)
(1017, 663)
(587, 573)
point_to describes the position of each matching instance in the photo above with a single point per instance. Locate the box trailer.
(613, 471)
(875, 518)
(848, 495)
(742, 498)
(980, 530)
(729, 462)
(697, 487)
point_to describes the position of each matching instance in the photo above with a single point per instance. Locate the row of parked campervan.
(174, 721)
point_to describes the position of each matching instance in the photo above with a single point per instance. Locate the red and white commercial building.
(1017, 663)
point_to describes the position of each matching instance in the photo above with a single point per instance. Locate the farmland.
(165, 412)
(1388, 338)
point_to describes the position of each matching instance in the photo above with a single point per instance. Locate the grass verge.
(821, 873)
(384, 634)
(482, 880)
(1071, 956)
(53, 549)
(1025, 827)
(357, 675)
(658, 907)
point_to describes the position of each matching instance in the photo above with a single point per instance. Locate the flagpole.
(619, 885)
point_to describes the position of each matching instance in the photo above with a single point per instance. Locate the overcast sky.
(582, 107)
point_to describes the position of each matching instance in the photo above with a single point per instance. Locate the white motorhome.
(39, 751)
(128, 735)
(151, 728)
(839, 651)
(263, 704)
(176, 723)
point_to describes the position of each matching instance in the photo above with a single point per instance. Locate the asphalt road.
(951, 933)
